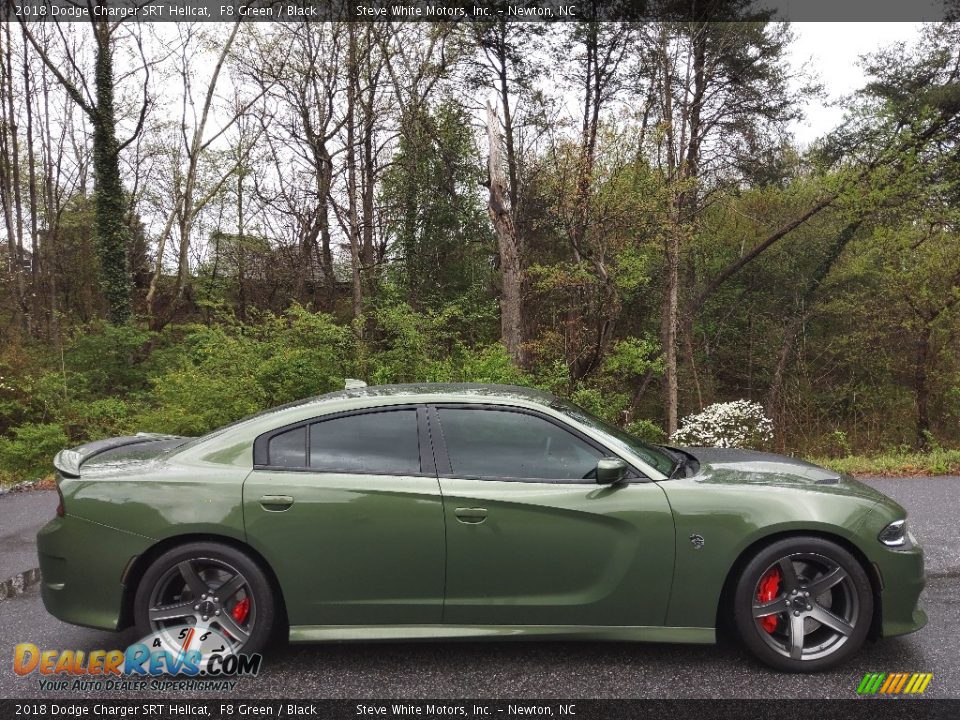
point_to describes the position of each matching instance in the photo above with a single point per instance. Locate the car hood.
(748, 467)
(115, 452)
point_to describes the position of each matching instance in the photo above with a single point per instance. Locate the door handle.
(471, 516)
(276, 503)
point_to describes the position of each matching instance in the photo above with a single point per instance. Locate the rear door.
(532, 539)
(347, 511)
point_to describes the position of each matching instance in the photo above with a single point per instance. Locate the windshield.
(653, 455)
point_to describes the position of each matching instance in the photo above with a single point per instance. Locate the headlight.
(894, 535)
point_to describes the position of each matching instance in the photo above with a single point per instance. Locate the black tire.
(832, 624)
(165, 585)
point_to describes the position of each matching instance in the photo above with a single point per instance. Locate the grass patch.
(934, 462)
(9, 481)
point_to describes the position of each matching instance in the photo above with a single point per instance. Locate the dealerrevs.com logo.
(903, 683)
(176, 659)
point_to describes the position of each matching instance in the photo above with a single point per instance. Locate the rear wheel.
(803, 604)
(207, 585)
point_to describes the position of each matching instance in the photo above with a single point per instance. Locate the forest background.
(204, 220)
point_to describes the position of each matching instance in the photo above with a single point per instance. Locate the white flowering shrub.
(737, 424)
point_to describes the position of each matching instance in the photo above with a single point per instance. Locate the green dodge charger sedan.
(472, 511)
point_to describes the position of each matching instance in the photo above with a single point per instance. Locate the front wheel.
(803, 604)
(206, 585)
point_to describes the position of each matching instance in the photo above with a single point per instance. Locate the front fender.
(731, 518)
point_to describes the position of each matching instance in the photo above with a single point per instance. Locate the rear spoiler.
(68, 462)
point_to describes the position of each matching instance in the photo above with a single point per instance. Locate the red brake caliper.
(242, 609)
(767, 590)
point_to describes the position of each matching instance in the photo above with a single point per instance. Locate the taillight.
(60, 511)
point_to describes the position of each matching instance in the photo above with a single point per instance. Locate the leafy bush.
(737, 424)
(486, 364)
(647, 430)
(106, 357)
(31, 449)
(634, 356)
(213, 384)
(606, 405)
(103, 417)
(840, 440)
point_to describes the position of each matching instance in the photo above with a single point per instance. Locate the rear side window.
(378, 442)
(375, 442)
(289, 449)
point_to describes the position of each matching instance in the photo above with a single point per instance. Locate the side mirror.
(610, 470)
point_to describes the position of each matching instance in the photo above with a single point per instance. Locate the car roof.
(231, 443)
(371, 396)
(469, 390)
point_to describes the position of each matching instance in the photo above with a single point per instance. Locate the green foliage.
(111, 206)
(485, 364)
(214, 383)
(633, 270)
(851, 315)
(433, 210)
(634, 356)
(31, 448)
(225, 372)
(608, 406)
(647, 430)
(839, 438)
(896, 462)
(106, 356)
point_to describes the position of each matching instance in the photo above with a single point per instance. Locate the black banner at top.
(479, 10)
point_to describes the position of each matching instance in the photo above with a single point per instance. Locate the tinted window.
(380, 442)
(500, 443)
(651, 454)
(289, 449)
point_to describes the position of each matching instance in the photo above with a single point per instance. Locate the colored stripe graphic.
(894, 683)
(888, 683)
(871, 683)
(900, 682)
(913, 683)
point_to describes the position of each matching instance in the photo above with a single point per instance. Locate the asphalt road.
(557, 669)
(21, 515)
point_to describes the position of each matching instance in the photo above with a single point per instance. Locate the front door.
(532, 539)
(349, 519)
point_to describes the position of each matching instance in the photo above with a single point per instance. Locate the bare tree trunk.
(241, 255)
(921, 386)
(368, 160)
(511, 318)
(35, 295)
(669, 303)
(687, 333)
(51, 239)
(790, 333)
(354, 229)
(14, 214)
(324, 180)
(668, 329)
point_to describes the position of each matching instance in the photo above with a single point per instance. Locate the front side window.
(650, 454)
(506, 444)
